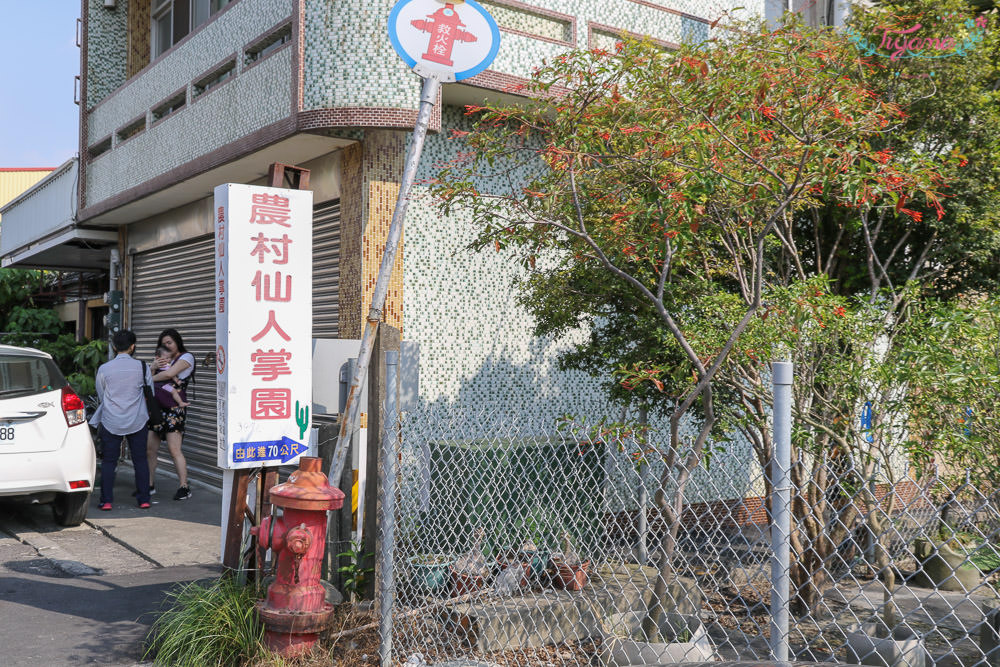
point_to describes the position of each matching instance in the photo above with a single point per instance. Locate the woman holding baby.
(173, 369)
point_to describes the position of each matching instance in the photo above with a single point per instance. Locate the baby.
(166, 392)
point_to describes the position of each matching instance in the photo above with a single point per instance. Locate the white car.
(46, 450)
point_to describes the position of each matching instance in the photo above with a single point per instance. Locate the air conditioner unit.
(109, 4)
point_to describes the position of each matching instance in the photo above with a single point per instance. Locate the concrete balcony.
(197, 115)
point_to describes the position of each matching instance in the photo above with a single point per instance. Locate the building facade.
(178, 96)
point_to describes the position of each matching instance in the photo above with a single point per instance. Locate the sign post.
(443, 42)
(263, 320)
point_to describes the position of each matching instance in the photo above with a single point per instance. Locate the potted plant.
(430, 571)
(540, 529)
(519, 560)
(470, 571)
(570, 569)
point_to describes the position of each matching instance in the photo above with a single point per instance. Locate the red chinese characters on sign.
(278, 247)
(270, 403)
(270, 210)
(269, 365)
(263, 283)
(220, 244)
(445, 29)
(272, 324)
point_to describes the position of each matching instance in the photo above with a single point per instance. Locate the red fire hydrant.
(445, 28)
(296, 610)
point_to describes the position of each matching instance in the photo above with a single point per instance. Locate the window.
(163, 18)
(213, 79)
(132, 129)
(168, 107)
(270, 43)
(25, 376)
(172, 20)
(100, 147)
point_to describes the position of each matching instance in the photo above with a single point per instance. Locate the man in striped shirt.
(123, 414)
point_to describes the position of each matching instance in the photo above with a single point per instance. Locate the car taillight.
(72, 406)
(80, 484)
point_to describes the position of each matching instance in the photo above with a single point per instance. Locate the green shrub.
(209, 623)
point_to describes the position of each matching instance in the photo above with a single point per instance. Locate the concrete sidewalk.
(171, 532)
(88, 595)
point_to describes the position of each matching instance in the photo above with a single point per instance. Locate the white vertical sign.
(263, 324)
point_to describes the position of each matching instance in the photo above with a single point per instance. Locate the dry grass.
(412, 636)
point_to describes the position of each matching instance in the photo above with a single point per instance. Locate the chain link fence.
(521, 543)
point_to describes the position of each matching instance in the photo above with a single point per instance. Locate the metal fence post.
(386, 588)
(781, 496)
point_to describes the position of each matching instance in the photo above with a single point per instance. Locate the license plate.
(6, 433)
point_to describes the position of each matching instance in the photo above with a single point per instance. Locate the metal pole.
(781, 497)
(114, 267)
(386, 590)
(643, 498)
(428, 96)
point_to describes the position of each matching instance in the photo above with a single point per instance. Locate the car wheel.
(70, 509)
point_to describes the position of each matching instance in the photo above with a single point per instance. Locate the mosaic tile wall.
(205, 124)
(349, 61)
(107, 45)
(370, 185)
(476, 345)
(512, 18)
(223, 37)
(352, 215)
(478, 355)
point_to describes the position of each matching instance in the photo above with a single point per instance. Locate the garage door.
(174, 287)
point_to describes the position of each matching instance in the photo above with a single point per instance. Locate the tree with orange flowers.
(659, 179)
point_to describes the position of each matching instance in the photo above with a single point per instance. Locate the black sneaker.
(183, 493)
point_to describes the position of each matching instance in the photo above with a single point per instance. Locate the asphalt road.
(88, 594)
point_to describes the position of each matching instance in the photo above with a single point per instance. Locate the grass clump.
(986, 558)
(208, 623)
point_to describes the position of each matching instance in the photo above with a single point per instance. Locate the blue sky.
(38, 60)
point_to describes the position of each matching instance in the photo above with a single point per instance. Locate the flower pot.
(540, 562)
(463, 583)
(902, 649)
(430, 572)
(571, 577)
(624, 645)
(522, 560)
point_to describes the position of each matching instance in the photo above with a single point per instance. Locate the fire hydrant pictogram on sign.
(449, 40)
(445, 28)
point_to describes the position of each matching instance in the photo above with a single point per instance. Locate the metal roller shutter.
(326, 268)
(174, 287)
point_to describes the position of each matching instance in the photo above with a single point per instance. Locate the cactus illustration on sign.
(302, 419)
